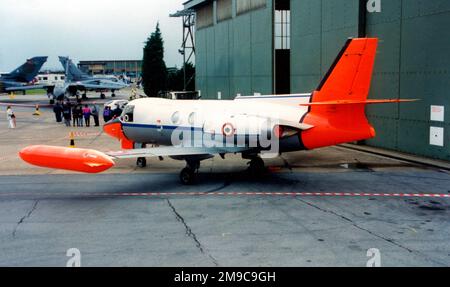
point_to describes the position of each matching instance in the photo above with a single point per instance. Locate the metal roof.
(185, 12)
(192, 4)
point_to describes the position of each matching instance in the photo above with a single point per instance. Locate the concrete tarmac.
(145, 217)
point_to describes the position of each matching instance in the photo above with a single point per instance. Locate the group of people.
(79, 115)
(109, 114)
(76, 114)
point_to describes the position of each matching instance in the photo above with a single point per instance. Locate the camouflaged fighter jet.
(22, 78)
(77, 81)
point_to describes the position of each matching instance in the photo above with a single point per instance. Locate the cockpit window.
(128, 114)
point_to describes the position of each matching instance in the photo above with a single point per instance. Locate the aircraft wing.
(174, 151)
(24, 88)
(92, 161)
(96, 85)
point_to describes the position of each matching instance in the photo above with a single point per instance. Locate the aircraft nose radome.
(113, 129)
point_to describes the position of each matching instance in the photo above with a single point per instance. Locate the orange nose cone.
(74, 159)
(113, 129)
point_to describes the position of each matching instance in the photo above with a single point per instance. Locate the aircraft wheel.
(84, 97)
(187, 176)
(113, 95)
(102, 96)
(141, 162)
(256, 166)
(52, 102)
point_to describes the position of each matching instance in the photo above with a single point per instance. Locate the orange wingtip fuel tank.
(73, 159)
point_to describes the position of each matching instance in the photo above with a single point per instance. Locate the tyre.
(141, 162)
(187, 176)
(256, 167)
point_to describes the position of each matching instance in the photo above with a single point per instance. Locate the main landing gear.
(102, 96)
(189, 173)
(256, 166)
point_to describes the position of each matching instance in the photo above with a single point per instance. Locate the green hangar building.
(286, 46)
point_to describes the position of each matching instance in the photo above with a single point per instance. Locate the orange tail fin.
(337, 108)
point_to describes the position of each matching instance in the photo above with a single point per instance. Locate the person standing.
(57, 109)
(117, 112)
(11, 117)
(94, 112)
(75, 119)
(67, 114)
(107, 114)
(87, 115)
(80, 115)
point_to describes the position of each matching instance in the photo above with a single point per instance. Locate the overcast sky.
(85, 30)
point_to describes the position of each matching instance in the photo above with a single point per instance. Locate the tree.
(175, 81)
(154, 71)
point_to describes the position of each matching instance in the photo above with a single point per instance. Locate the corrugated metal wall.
(235, 56)
(319, 29)
(413, 61)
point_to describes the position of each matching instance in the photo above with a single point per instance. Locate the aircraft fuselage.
(245, 121)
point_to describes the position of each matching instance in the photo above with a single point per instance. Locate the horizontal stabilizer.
(357, 102)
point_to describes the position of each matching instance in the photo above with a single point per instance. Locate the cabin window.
(176, 118)
(192, 118)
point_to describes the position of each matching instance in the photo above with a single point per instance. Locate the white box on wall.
(437, 113)
(437, 136)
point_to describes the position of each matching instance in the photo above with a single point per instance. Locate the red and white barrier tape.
(226, 194)
(25, 105)
(84, 134)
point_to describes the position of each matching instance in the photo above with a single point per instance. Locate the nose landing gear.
(141, 162)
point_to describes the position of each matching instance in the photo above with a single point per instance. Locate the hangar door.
(282, 47)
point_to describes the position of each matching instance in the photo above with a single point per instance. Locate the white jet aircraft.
(195, 130)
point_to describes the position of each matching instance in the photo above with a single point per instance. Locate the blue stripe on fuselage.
(145, 126)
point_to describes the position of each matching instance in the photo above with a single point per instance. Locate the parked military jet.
(77, 81)
(22, 78)
(195, 130)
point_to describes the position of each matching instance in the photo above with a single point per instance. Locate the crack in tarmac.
(191, 234)
(33, 208)
(391, 241)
